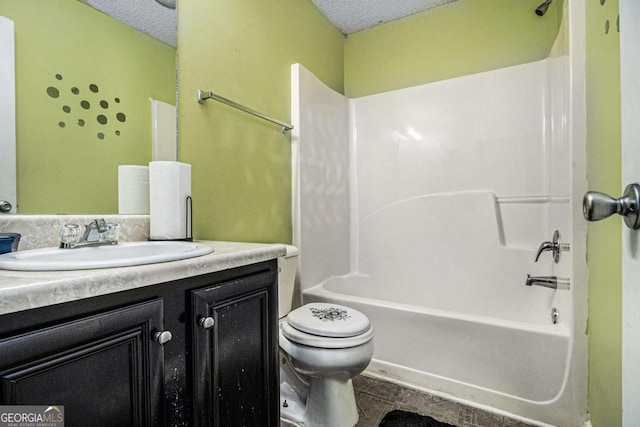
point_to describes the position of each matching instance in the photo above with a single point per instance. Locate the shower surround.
(424, 208)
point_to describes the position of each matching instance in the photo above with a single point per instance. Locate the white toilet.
(322, 346)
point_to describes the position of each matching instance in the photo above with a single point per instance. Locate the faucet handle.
(112, 232)
(69, 235)
(555, 246)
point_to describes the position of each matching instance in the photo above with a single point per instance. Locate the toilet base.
(325, 401)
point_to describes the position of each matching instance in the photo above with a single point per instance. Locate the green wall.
(69, 169)
(604, 238)
(243, 50)
(460, 38)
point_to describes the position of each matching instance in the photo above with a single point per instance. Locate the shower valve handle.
(597, 206)
(555, 246)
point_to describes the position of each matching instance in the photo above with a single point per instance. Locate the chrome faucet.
(97, 232)
(93, 231)
(552, 282)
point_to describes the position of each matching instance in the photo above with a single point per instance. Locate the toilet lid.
(329, 320)
(296, 336)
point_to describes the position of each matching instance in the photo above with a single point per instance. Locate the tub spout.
(552, 282)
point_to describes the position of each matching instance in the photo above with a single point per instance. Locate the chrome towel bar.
(203, 96)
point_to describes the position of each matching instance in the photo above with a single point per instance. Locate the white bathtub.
(452, 188)
(482, 358)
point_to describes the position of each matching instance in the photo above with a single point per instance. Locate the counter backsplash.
(41, 231)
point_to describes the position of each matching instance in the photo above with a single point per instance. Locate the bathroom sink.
(107, 256)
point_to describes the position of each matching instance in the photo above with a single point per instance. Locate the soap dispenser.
(9, 242)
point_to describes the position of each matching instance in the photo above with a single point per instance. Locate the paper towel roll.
(169, 186)
(133, 190)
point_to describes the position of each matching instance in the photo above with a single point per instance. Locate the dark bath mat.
(398, 418)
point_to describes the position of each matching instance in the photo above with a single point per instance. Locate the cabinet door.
(235, 353)
(105, 369)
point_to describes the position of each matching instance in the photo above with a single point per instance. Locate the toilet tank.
(286, 280)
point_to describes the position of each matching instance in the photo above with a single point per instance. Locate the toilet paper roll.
(133, 190)
(169, 187)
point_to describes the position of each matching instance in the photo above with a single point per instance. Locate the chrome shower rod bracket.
(203, 96)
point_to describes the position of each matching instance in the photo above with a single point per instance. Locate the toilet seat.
(303, 338)
(325, 325)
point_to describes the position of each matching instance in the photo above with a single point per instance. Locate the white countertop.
(22, 290)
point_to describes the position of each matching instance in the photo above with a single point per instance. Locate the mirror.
(7, 118)
(83, 85)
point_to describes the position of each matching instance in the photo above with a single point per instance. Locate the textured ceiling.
(350, 16)
(148, 16)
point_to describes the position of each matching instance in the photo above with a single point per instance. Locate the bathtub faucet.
(552, 282)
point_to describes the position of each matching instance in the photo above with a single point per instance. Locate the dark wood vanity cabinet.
(103, 368)
(235, 361)
(101, 357)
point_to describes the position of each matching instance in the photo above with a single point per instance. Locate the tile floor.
(376, 397)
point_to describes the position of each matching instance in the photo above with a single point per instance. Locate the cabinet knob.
(162, 337)
(206, 322)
